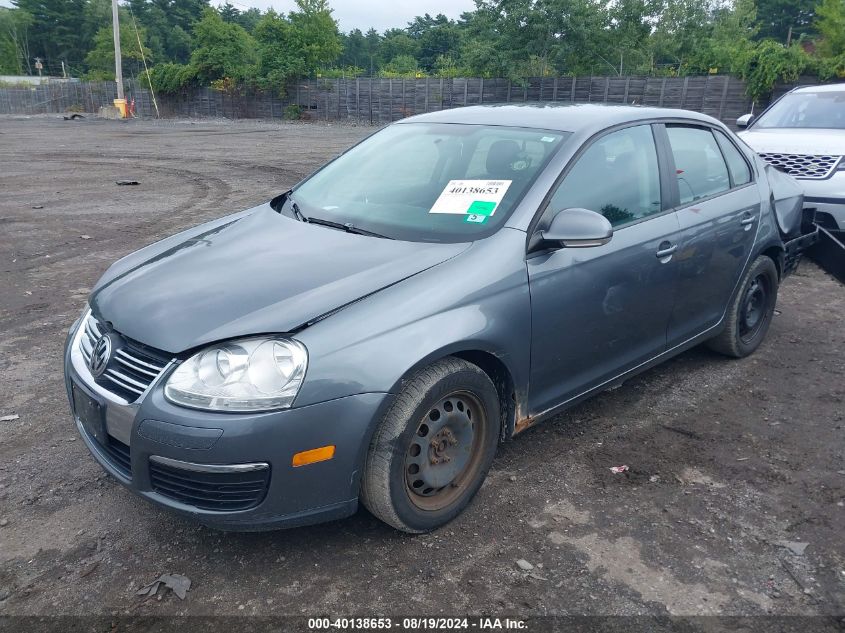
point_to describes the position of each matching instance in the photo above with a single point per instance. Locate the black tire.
(750, 314)
(445, 419)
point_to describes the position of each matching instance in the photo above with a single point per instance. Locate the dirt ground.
(728, 459)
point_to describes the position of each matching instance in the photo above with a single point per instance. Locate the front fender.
(478, 301)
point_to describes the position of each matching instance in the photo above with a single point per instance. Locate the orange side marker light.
(313, 456)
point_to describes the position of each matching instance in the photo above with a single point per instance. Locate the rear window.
(740, 172)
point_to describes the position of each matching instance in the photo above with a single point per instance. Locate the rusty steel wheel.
(431, 452)
(445, 451)
(749, 315)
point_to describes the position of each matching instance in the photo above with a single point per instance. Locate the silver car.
(803, 135)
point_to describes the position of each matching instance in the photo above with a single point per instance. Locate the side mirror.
(578, 228)
(744, 121)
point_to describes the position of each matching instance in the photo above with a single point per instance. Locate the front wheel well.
(502, 379)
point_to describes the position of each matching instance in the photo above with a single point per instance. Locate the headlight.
(257, 374)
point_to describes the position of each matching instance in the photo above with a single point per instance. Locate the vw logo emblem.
(100, 356)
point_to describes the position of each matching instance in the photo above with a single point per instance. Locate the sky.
(363, 14)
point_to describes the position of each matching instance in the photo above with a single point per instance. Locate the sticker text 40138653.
(471, 197)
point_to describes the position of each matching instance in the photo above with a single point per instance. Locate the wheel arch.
(775, 252)
(492, 364)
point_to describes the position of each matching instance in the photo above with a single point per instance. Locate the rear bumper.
(181, 459)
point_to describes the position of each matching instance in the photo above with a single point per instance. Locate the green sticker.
(482, 207)
(478, 219)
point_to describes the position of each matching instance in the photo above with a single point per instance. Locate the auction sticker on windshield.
(473, 197)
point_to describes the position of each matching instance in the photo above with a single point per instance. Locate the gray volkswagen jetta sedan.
(375, 332)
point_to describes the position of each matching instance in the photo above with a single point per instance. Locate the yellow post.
(120, 104)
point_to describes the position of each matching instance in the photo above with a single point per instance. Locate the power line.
(144, 57)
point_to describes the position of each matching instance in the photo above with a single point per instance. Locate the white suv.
(803, 134)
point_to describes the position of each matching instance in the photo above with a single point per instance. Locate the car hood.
(795, 141)
(252, 273)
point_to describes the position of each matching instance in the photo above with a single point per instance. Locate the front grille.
(131, 368)
(225, 492)
(118, 454)
(803, 165)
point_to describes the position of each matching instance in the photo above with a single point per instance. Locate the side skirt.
(616, 381)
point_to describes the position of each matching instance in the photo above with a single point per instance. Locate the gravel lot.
(728, 459)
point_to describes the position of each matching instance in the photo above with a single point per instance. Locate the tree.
(373, 42)
(442, 39)
(396, 43)
(557, 36)
(480, 54)
(249, 19)
(55, 32)
(354, 49)
(770, 62)
(222, 50)
(777, 17)
(169, 24)
(15, 25)
(728, 43)
(681, 36)
(400, 66)
(100, 59)
(96, 15)
(316, 34)
(630, 34)
(229, 13)
(830, 24)
(278, 58)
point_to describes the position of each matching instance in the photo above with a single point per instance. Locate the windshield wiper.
(294, 207)
(348, 227)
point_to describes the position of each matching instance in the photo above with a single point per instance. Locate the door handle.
(747, 221)
(665, 252)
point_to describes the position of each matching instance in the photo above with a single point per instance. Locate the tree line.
(191, 42)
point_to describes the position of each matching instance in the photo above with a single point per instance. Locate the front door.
(599, 311)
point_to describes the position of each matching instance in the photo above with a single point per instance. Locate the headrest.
(500, 158)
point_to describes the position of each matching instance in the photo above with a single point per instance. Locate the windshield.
(806, 110)
(429, 182)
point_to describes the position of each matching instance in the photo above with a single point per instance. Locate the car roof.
(822, 88)
(564, 117)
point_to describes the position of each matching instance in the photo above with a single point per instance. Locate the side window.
(616, 176)
(699, 163)
(740, 173)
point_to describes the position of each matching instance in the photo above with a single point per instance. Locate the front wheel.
(434, 447)
(750, 314)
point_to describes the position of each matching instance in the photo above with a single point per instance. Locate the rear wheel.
(751, 312)
(434, 447)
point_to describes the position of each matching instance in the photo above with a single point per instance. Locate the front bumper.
(180, 458)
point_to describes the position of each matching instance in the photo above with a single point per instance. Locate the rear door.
(597, 312)
(718, 209)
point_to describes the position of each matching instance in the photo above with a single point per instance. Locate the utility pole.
(118, 62)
